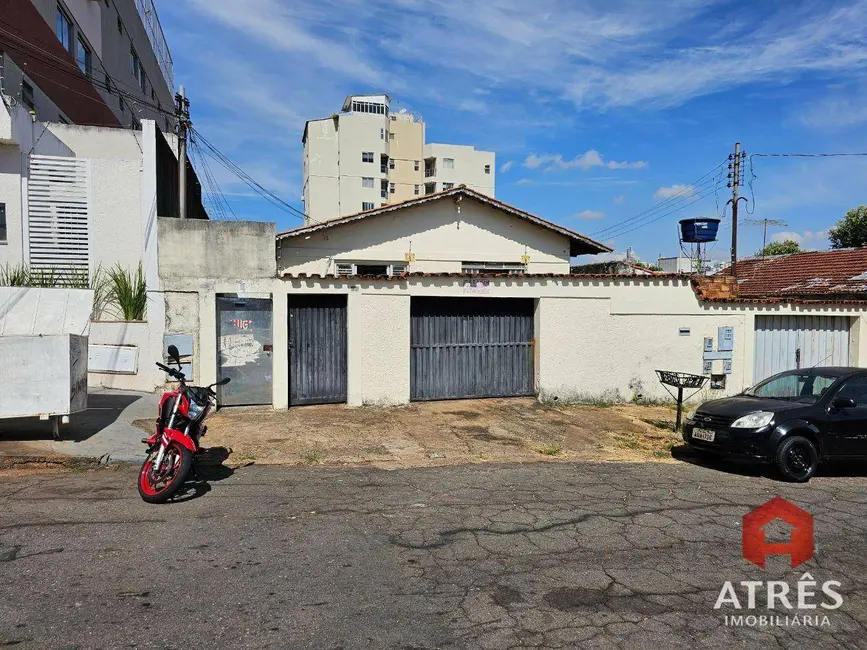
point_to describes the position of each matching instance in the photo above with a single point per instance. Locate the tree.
(786, 247)
(851, 230)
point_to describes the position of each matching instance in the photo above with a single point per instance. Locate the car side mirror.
(174, 355)
(840, 403)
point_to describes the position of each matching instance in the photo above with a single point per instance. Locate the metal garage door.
(471, 347)
(790, 342)
(317, 349)
(244, 350)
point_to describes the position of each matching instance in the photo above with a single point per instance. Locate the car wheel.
(797, 459)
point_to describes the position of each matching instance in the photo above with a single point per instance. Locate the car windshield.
(801, 387)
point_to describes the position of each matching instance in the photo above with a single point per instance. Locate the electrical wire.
(218, 198)
(806, 155)
(662, 216)
(667, 202)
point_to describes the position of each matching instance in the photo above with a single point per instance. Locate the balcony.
(430, 172)
(151, 21)
(383, 168)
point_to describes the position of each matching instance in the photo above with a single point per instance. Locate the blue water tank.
(698, 231)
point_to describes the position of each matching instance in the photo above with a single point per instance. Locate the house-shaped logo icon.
(799, 547)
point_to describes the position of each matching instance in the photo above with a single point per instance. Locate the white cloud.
(473, 106)
(673, 190)
(587, 160)
(805, 239)
(590, 214)
(617, 200)
(506, 166)
(841, 110)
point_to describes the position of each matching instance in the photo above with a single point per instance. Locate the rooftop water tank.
(698, 230)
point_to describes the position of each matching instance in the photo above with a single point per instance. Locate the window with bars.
(382, 269)
(415, 190)
(448, 186)
(27, 97)
(415, 166)
(391, 163)
(367, 205)
(367, 181)
(391, 187)
(487, 169)
(512, 268)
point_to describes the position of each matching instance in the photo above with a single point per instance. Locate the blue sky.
(596, 109)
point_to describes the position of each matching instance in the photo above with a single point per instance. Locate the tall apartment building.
(367, 156)
(89, 62)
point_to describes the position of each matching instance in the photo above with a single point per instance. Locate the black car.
(795, 420)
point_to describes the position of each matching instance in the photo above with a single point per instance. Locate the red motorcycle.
(179, 428)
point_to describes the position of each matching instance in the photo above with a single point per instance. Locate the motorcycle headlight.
(195, 409)
(691, 414)
(753, 420)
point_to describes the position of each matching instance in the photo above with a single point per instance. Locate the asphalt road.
(547, 555)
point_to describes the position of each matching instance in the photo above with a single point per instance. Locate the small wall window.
(415, 190)
(415, 167)
(82, 56)
(142, 78)
(391, 163)
(448, 186)
(27, 96)
(487, 169)
(64, 30)
(510, 268)
(2, 223)
(367, 156)
(367, 181)
(381, 269)
(448, 163)
(391, 188)
(367, 205)
(382, 134)
(391, 136)
(133, 63)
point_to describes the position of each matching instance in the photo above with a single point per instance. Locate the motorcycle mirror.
(174, 355)
(224, 381)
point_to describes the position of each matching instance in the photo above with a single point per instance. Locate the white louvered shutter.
(58, 197)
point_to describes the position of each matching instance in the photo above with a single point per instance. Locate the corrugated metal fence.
(471, 347)
(790, 342)
(317, 349)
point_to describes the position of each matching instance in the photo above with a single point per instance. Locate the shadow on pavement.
(828, 469)
(103, 410)
(208, 467)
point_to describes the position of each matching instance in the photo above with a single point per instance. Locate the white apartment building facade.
(367, 156)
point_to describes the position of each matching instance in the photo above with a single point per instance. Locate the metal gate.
(244, 350)
(317, 349)
(790, 342)
(471, 347)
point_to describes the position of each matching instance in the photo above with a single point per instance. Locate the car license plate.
(703, 434)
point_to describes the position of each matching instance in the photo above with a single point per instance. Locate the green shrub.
(128, 291)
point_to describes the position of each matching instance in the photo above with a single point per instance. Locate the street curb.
(79, 463)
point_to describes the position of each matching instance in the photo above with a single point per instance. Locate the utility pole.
(734, 183)
(182, 110)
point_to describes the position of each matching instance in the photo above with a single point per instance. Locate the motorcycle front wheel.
(159, 484)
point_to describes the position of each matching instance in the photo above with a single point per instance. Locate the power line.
(806, 155)
(685, 193)
(663, 215)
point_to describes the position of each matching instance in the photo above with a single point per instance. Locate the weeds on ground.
(569, 398)
(312, 456)
(659, 424)
(551, 449)
(627, 442)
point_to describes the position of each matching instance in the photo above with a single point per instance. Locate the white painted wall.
(440, 237)
(384, 340)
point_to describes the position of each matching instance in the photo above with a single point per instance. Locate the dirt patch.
(438, 433)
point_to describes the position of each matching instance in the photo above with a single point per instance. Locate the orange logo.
(799, 547)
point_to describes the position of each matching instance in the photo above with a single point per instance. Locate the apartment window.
(415, 189)
(142, 79)
(3, 238)
(27, 96)
(415, 166)
(367, 205)
(487, 169)
(448, 163)
(368, 107)
(367, 181)
(511, 268)
(382, 134)
(367, 156)
(383, 189)
(448, 186)
(391, 136)
(391, 188)
(391, 163)
(64, 30)
(82, 56)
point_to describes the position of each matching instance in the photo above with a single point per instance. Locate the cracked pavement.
(553, 555)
